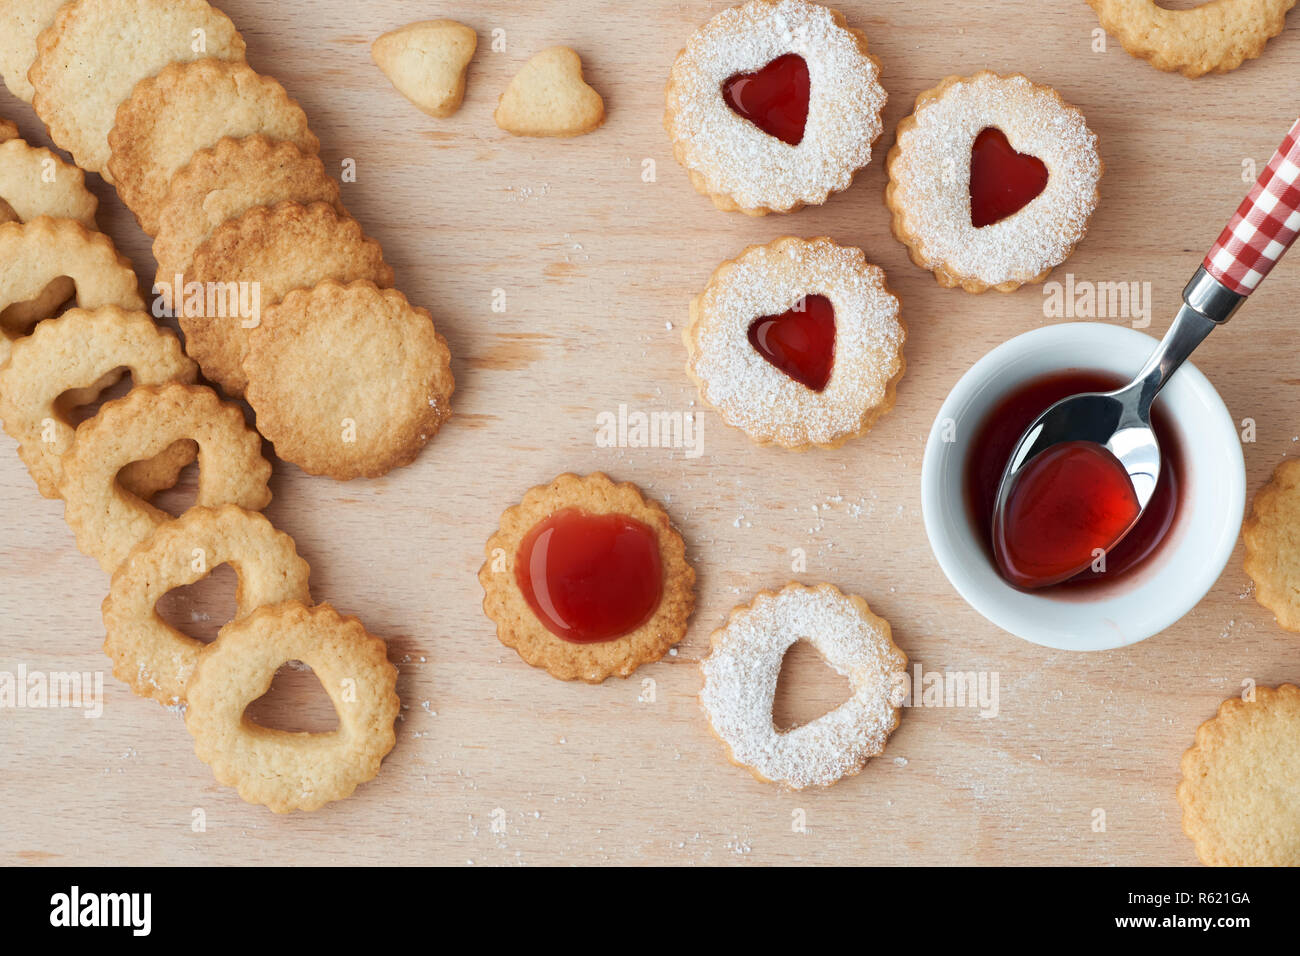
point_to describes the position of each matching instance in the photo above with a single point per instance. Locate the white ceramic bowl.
(1163, 588)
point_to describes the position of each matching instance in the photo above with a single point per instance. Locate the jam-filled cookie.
(992, 181)
(798, 343)
(774, 105)
(587, 579)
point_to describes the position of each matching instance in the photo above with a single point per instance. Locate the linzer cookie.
(1240, 791)
(93, 54)
(427, 62)
(798, 343)
(188, 107)
(744, 663)
(774, 105)
(348, 381)
(1273, 547)
(992, 180)
(1207, 38)
(273, 251)
(587, 579)
(226, 181)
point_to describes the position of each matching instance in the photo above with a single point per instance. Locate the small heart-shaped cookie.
(549, 97)
(427, 61)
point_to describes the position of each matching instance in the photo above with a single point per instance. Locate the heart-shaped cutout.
(1002, 181)
(296, 702)
(800, 341)
(807, 688)
(775, 98)
(590, 577)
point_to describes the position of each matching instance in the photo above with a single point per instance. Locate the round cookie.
(282, 248)
(75, 351)
(107, 520)
(43, 250)
(785, 297)
(21, 21)
(1212, 37)
(744, 664)
(150, 655)
(188, 107)
(1240, 791)
(293, 771)
(226, 181)
(8, 131)
(91, 57)
(1272, 537)
(348, 381)
(618, 652)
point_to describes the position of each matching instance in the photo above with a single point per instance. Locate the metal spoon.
(1262, 229)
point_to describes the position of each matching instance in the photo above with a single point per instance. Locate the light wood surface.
(596, 264)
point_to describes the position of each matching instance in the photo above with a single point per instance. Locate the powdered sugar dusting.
(930, 176)
(751, 393)
(740, 678)
(736, 158)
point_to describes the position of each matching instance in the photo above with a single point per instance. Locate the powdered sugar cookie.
(1240, 791)
(1272, 537)
(91, 57)
(740, 677)
(21, 21)
(774, 105)
(188, 107)
(587, 579)
(1212, 37)
(78, 350)
(992, 180)
(293, 771)
(347, 380)
(150, 655)
(226, 181)
(108, 520)
(276, 250)
(798, 343)
(427, 62)
(549, 97)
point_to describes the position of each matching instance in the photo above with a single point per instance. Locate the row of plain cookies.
(253, 214)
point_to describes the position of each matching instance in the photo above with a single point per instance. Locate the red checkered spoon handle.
(1264, 225)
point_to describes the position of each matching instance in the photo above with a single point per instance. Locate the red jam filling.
(996, 438)
(1002, 181)
(590, 578)
(775, 99)
(800, 342)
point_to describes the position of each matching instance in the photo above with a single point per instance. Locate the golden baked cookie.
(278, 249)
(774, 105)
(78, 350)
(1272, 537)
(1240, 791)
(150, 655)
(587, 579)
(744, 663)
(91, 57)
(992, 180)
(348, 381)
(188, 107)
(549, 97)
(798, 343)
(293, 771)
(1212, 37)
(109, 521)
(226, 181)
(427, 62)
(35, 182)
(21, 21)
(43, 250)
(8, 131)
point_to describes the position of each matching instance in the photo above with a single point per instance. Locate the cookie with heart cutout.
(774, 105)
(426, 62)
(549, 97)
(799, 343)
(188, 107)
(94, 53)
(992, 180)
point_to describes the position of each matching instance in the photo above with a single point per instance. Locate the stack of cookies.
(282, 300)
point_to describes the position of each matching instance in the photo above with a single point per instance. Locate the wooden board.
(497, 763)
